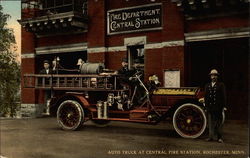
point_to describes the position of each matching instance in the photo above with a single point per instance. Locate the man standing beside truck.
(215, 100)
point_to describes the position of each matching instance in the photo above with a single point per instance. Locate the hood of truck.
(176, 91)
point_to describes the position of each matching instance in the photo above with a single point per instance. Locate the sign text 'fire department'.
(142, 18)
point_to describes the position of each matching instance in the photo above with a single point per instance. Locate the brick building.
(178, 40)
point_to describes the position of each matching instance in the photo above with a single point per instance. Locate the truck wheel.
(189, 120)
(70, 115)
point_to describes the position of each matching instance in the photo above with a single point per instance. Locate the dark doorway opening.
(230, 57)
(136, 54)
(67, 60)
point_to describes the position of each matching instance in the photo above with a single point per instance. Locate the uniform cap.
(125, 60)
(213, 72)
(46, 61)
(79, 62)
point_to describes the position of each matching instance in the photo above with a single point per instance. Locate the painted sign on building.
(134, 19)
(172, 78)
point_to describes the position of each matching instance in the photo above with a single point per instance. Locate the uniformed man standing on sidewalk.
(215, 100)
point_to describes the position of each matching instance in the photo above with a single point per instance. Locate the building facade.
(178, 40)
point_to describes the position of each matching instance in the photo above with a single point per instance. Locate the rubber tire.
(80, 112)
(203, 115)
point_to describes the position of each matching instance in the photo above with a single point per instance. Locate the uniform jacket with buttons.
(215, 97)
(47, 79)
(123, 71)
(43, 71)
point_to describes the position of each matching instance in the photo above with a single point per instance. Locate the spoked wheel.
(70, 115)
(189, 120)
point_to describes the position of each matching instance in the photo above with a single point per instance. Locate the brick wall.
(61, 40)
(29, 96)
(217, 23)
(153, 63)
(96, 57)
(118, 56)
(172, 30)
(28, 42)
(96, 23)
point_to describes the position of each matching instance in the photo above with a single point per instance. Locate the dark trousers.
(215, 125)
(47, 96)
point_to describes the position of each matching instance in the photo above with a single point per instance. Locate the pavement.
(42, 138)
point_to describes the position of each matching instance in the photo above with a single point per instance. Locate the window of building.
(25, 4)
(136, 55)
(61, 6)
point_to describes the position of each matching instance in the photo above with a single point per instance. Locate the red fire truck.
(102, 98)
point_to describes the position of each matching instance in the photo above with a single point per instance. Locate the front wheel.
(189, 120)
(70, 115)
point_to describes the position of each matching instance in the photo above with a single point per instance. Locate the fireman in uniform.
(124, 70)
(140, 92)
(46, 70)
(215, 100)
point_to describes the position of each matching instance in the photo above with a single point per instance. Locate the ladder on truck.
(70, 82)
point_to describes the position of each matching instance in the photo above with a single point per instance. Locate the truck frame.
(77, 98)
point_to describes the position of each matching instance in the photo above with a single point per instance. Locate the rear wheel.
(189, 120)
(70, 115)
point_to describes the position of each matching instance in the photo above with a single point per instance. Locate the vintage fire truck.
(77, 98)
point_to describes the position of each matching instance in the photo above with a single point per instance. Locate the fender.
(83, 100)
(73, 96)
(171, 110)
